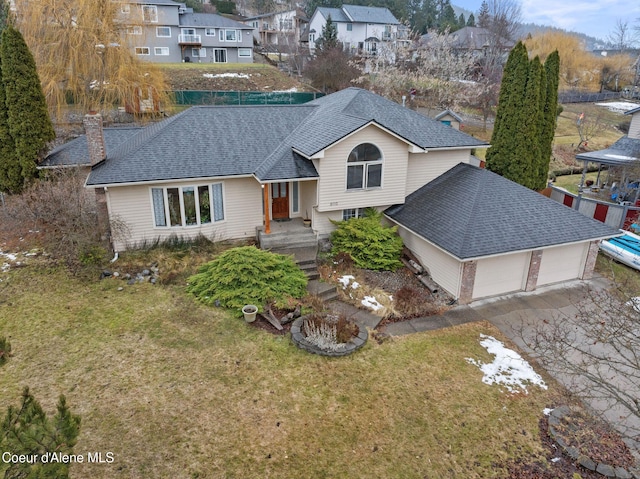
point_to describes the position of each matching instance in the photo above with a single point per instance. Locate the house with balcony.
(369, 31)
(165, 31)
(278, 28)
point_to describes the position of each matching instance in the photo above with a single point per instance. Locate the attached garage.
(562, 263)
(501, 275)
(499, 236)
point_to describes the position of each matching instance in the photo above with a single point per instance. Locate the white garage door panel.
(562, 263)
(502, 274)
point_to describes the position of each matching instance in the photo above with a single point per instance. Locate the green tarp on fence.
(197, 97)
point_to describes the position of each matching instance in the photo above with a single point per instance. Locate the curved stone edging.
(299, 340)
(585, 461)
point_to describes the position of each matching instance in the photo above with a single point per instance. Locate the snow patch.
(634, 303)
(226, 75)
(619, 106)
(290, 90)
(546, 411)
(345, 280)
(371, 302)
(508, 367)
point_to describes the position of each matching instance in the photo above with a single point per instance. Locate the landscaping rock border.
(299, 340)
(605, 470)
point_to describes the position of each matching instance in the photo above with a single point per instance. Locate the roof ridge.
(145, 135)
(285, 143)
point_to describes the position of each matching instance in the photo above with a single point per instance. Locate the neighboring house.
(370, 31)
(449, 118)
(166, 31)
(226, 171)
(475, 40)
(278, 28)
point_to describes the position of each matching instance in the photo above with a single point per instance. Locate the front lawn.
(176, 389)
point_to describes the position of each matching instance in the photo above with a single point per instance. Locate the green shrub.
(248, 275)
(370, 244)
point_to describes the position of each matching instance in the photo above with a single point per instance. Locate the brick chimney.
(95, 137)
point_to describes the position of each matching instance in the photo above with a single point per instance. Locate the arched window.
(364, 167)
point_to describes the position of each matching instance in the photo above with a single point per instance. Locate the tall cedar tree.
(27, 115)
(28, 430)
(550, 116)
(523, 167)
(504, 147)
(10, 176)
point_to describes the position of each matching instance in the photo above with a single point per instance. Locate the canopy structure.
(624, 153)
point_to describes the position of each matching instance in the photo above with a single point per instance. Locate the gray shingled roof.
(209, 20)
(337, 15)
(76, 153)
(625, 150)
(211, 141)
(202, 142)
(347, 110)
(472, 212)
(364, 14)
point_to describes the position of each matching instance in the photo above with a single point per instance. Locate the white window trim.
(163, 36)
(359, 213)
(143, 48)
(183, 216)
(199, 52)
(134, 30)
(222, 35)
(125, 9)
(250, 50)
(164, 49)
(226, 57)
(153, 8)
(365, 171)
(207, 34)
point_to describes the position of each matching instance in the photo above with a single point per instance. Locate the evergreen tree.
(27, 430)
(329, 38)
(4, 15)
(523, 167)
(471, 21)
(26, 108)
(550, 116)
(509, 114)
(10, 178)
(484, 17)
(461, 21)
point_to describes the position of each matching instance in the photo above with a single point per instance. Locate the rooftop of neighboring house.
(209, 20)
(359, 14)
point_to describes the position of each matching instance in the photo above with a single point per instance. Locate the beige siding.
(132, 206)
(443, 268)
(562, 263)
(333, 194)
(424, 167)
(322, 224)
(501, 274)
(308, 197)
(634, 128)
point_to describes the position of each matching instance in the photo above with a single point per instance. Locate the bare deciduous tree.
(596, 353)
(504, 18)
(81, 52)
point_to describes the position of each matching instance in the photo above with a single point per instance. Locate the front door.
(280, 203)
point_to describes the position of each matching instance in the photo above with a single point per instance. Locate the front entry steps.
(291, 234)
(305, 258)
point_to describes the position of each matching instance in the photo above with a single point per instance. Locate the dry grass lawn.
(178, 390)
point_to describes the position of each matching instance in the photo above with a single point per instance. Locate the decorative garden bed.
(319, 333)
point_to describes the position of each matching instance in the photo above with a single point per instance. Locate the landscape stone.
(606, 470)
(561, 411)
(146, 272)
(587, 463)
(622, 473)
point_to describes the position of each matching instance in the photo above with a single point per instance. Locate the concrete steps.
(325, 291)
(288, 239)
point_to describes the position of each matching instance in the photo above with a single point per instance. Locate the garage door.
(501, 274)
(562, 263)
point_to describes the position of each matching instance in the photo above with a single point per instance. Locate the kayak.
(625, 249)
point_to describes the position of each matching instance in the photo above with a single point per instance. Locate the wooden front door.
(280, 203)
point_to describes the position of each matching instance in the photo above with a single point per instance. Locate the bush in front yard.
(370, 244)
(248, 275)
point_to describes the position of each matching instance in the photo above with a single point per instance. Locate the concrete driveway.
(517, 316)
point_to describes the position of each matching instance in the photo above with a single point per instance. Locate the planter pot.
(250, 312)
(307, 223)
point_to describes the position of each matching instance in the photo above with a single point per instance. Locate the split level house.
(167, 32)
(363, 30)
(229, 172)
(282, 28)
